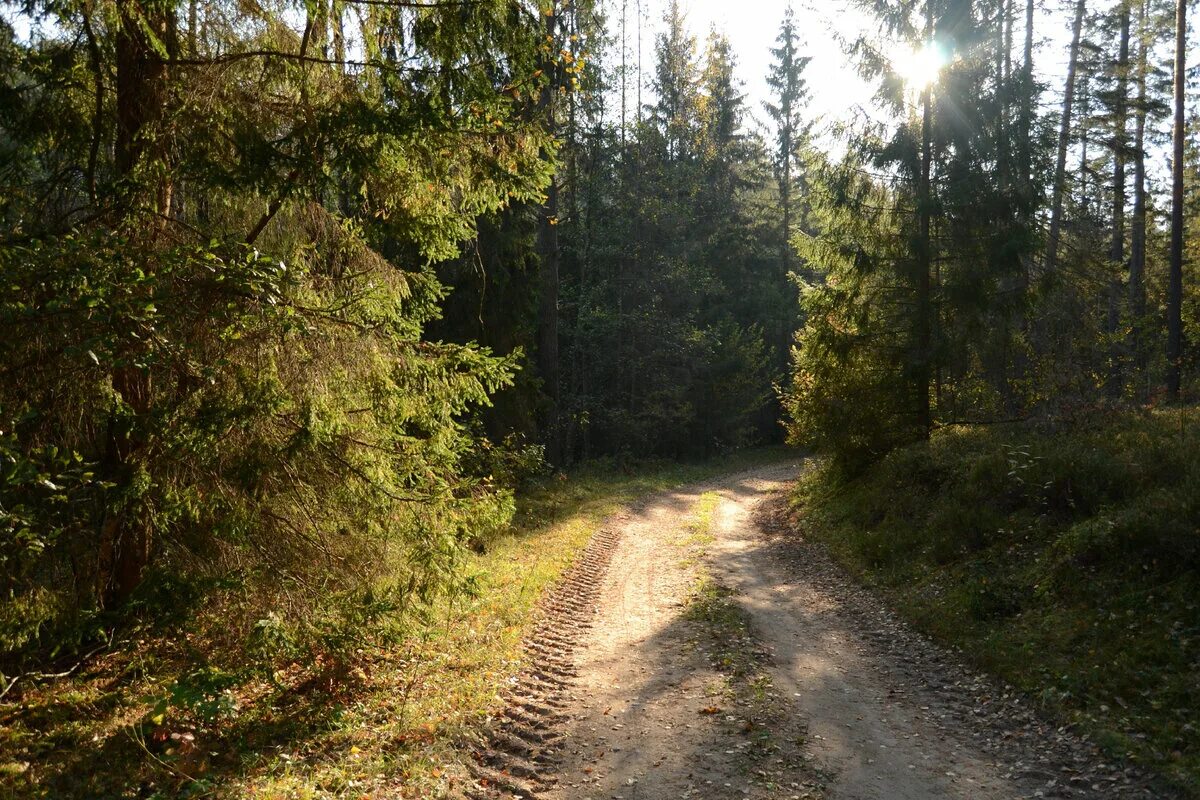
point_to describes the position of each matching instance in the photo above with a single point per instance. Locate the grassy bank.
(1064, 558)
(392, 724)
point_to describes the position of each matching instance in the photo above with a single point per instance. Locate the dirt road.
(725, 660)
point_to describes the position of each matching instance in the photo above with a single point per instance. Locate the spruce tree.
(786, 110)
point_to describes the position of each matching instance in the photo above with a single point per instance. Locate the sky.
(836, 88)
(751, 27)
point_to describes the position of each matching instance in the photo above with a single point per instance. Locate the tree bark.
(141, 98)
(785, 198)
(1175, 273)
(1116, 253)
(624, 70)
(1064, 138)
(95, 62)
(1026, 138)
(1084, 95)
(548, 252)
(1137, 254)
(1008, 43)
(924, 253)
(141, 92)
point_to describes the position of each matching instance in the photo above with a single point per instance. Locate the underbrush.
(223, 700)
(1064, 558)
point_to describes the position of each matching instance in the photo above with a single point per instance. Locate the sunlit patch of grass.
(1065, 559)
(696, 534)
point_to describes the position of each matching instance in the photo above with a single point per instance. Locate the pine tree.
(548, 245)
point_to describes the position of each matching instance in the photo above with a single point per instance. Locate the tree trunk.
(1001, 119)
(141, 93)
(1116, 253)
(640, 25)
(141, 96)
(624, 70)
(1008, 43)
(1026, 138)
(1137, 254)
(1175, 274)
(1064, 138)
(1028, 198)
(547, 243)
(1085, 140)
(785, 195)
(924, 253)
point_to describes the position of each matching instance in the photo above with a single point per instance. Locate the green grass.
(727, 628)
(697, 531)
(1065, 559)
(396, 723)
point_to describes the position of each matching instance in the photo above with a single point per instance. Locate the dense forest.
(298, 300)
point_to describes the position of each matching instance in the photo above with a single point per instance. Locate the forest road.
(833, 698)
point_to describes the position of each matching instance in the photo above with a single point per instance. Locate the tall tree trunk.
(1064, 138)
(574, 143)
(337, 29)
(1007, 167)
(1028, 199)
(1175, 274)
(1085, 140)
(141, 97)
(547, 242)
(1025, 142)
(1137, 254)
(785, 195)
(640, 25)
(1003, 31)
(193, 35)
(782, 334)
(1116, 253)
(924, 253)
(624, 69)
(1008, 43)
(95, 62)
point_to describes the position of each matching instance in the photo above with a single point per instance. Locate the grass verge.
(393, 724)
(1065, 559)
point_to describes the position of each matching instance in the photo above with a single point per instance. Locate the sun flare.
(920, 67)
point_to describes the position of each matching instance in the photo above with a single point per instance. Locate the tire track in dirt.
(657, 714)
(518, 756)
(625, 698)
